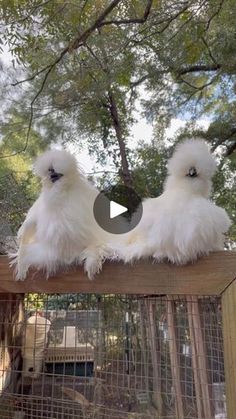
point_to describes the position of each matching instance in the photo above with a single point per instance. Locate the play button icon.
(118, 209)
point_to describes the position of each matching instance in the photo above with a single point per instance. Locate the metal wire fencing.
(113, 356)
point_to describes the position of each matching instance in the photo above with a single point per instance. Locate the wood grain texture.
(208, 276)
(197, 383)
(174, 357)
(201, 358)
(229, 334)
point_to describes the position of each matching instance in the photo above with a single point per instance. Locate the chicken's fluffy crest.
(189, 155)
(60, 160)
(192, 153)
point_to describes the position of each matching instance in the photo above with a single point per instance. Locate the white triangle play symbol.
(116, 209)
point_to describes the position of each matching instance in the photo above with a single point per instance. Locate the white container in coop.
(70, 357)
(34, 344)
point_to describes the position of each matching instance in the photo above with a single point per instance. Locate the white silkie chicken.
(183, 223)
(60, 228)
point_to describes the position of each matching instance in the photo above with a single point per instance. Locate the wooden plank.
(201, 359)
(195, 368)
(155, 356)
(210, 275)
(229, 334)
(174, 358)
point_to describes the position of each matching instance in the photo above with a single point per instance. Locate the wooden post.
(194, 359)
(175, 370)
(152, 338)
(143, 343)
(202, 360)
(229, 334)
(202, 385)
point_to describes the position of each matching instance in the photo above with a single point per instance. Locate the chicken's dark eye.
(54, 176)
(192, 172)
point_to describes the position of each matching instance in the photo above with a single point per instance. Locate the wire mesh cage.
(114, 356)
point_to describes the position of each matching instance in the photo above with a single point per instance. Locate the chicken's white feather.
(183, 223)
(60, 227)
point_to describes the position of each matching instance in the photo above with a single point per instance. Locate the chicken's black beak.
(54, 176)
(192, 172)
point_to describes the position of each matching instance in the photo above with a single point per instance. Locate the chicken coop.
(141, 341)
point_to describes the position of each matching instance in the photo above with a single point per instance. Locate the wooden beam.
(210, 275)
(229, 334)
(174, 357)
(196, 377)
(201, 359)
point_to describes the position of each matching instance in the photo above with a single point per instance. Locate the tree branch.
(31, 12)
(230, 150)
(227, 137)
(139, 81)
(209, 50)
(97, 59)
(131, 21)
(197, 89)
(186, 22)
(214, 15)
(182, 80)
(97, 24)
(197, 68)
(78, 42)
(167, 22)
(32, 77)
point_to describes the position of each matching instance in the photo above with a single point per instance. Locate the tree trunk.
(125, 172)
(113, 110)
